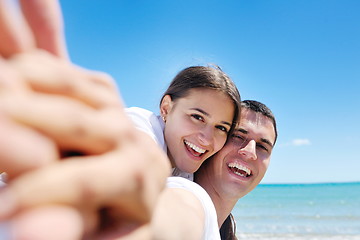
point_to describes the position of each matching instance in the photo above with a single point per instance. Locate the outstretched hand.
(71, 154)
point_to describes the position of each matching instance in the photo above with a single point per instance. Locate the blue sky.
(301, 58)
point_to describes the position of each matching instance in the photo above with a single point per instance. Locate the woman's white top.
(211, 228)
(153, 125)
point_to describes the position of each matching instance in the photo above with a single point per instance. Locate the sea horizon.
(311, 211)
(309, 183)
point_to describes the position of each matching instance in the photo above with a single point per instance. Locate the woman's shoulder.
(149, 123)
(139, 111)
(181, 182)
(194, 188)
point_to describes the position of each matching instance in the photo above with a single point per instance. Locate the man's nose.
(249, 150)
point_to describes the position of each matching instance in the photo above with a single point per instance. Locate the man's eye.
(238, 137)
(262, 147)
(197, 117)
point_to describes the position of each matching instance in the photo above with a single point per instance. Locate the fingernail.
(5, 232)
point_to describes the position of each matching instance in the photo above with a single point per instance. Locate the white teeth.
(194, 147)
(239, 167)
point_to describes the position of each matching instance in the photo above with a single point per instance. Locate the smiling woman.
(196, 127)
(198, 111)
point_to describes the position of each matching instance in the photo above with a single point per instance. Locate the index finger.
(15, 35)
(46, 22)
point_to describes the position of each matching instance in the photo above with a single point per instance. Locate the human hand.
(118, 178)
(143, 173)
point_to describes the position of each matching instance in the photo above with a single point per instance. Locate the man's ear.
(166, 106)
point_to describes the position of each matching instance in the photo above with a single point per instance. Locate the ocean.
(300, 211)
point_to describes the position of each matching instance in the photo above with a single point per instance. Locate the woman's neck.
(172, 162)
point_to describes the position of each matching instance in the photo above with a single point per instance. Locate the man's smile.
(239, 169)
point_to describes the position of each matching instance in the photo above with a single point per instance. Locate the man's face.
(242, 163)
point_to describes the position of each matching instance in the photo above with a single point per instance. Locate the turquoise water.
(300, 211)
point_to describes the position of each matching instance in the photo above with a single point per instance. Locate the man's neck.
(222, 204)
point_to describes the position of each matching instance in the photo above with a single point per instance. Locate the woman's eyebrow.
(207, 114)
(226, 123)
(200, 110)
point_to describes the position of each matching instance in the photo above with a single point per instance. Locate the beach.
(299, 212)
(298, 237)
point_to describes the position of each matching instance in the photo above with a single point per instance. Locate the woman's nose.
(206, 136)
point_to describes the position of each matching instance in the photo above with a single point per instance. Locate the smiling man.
(242, 163)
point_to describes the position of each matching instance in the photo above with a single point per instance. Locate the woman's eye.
(197, 117)
(222, 128)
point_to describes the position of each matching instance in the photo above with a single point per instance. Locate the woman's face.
(196, 126)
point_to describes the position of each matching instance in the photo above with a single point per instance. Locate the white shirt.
(211, 228)
(153, 125)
